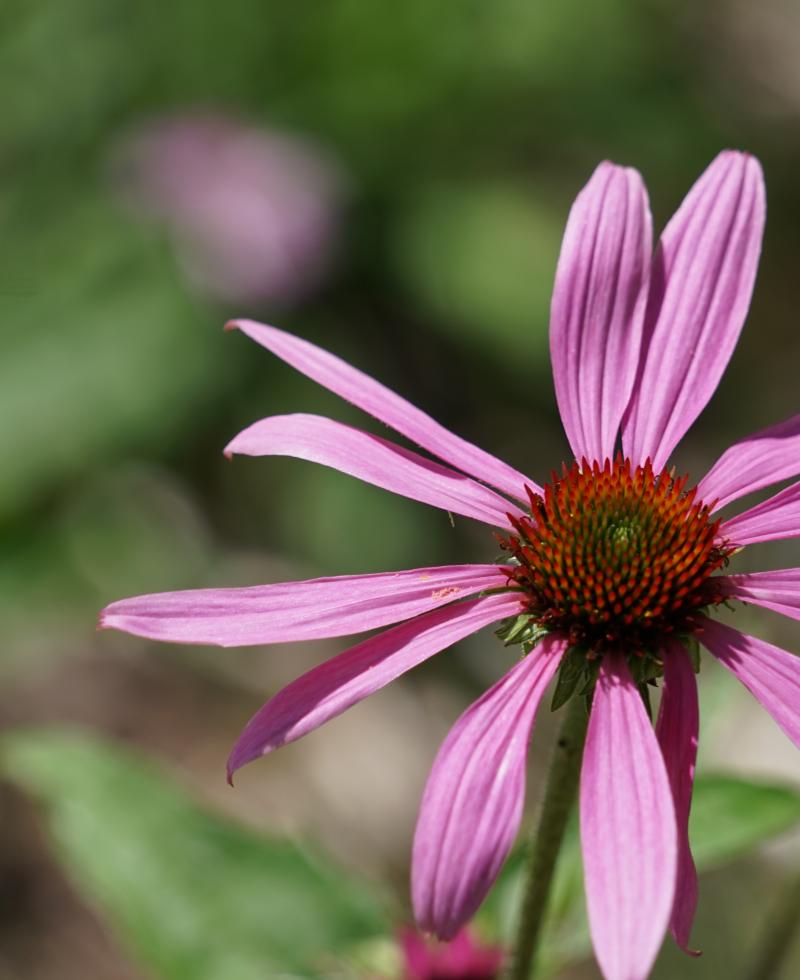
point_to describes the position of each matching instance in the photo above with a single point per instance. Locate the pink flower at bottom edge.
(613, 566)
(460, 959)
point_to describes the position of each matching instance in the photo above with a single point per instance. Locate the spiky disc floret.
(616, 557)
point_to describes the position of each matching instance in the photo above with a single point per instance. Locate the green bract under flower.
(615, 558)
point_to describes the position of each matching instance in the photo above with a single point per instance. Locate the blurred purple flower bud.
(460, 959)
(253, 212)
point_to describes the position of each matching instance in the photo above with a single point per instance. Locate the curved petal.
(764, 458)
(770, 674)
(598, 307)
(473, 801)
(369, 395)
(291, 611)
(676, 730)
(776, 518)
(375, 460)
(628, 829)
(778, 590)
(336, 685)
(700, 289)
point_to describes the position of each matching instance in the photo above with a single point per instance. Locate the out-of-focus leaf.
(194, 896)
(730, 817)
(102, 352)
(482, 256)
(133, 528)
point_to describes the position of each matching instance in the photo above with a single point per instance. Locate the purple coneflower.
(613, 565)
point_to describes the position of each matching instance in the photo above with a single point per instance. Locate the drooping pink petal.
(473, 800)
(334, 686)
(778, 590)
(628, 829)
(598, 306)
(369, 395)
(291, 611)
(770, 674)
(700, 289)
(768, 456)
(676, 730)
(375, 460)
(775, 518)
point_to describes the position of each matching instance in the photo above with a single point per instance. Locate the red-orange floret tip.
(616, 556)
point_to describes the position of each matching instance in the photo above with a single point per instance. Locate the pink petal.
(473, 801)
(767, 457)
(291, 611)
(375, 460)
(676, 730)
(778, 590)
(371, 396)
(776, 518)
(700, 290)
(628, 831)
(336, 685)
(770, 674)
(598, 307)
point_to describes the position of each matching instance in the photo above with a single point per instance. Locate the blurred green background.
(390, 181)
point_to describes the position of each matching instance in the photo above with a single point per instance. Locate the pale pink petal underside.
(290, 611)
(700, 288)
(473, 801)
(369, 395)
(628, 829)
(764, 458)
(778, 590)
(336, 685)
(598, 305)
(774, 519)
(772, 675)
(676, 730)
(375, 460)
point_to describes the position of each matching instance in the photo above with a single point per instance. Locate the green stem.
(559, 795)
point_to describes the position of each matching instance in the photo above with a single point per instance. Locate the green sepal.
(521, 629)
(693, 649)
(576, 675)
(646, 669)
(570, 675)
(591, 670)
(513, 630)
(644, 691)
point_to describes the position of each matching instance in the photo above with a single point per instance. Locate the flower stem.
(559, 795)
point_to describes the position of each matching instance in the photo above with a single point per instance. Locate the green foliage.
(482, 257)
(731, 816)
(101, 351)
(194, 896)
